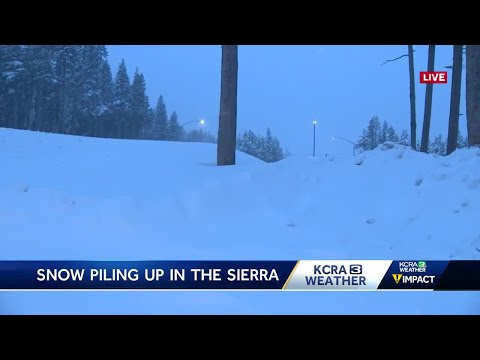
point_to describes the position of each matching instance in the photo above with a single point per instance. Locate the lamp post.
(351, 142)
(201, 122)
(314, 130)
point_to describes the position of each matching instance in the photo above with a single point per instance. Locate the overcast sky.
(286, 88)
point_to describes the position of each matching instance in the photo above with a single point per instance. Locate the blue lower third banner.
(296, 275)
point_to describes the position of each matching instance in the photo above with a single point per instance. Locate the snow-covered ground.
(76, 198)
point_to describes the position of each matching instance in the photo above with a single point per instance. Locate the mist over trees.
(70, 89)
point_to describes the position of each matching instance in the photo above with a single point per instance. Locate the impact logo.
(405, 276)
(397, 277)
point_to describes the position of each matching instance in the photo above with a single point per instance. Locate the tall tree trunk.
(428, 102)
(413, 112)
(227, 129)
(455, 99)
(473, 94)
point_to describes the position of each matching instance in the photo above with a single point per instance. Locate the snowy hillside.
(74, 198)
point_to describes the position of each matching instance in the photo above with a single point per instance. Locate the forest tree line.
(70, 89)
(377, 133)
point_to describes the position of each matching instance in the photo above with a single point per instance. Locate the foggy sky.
(286, 88)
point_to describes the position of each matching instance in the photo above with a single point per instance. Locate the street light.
(201, 122)
(341, 138)
(314, 128)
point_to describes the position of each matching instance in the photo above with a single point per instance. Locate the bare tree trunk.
(428, 102)
(473, 94)
(455, 99)
(227, 129)
(413, 112)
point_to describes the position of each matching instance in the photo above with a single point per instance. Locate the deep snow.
(77, 198)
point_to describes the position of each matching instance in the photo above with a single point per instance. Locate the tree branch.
(387, 61)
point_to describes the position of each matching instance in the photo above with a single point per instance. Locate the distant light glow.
(202, 122)
(314, 122)
(333, 137)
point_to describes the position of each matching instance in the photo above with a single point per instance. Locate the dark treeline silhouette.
(70, 89)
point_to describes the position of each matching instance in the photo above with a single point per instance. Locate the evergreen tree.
(104, 127)
(38, 93)
(373, 132)
(13, 75)
(363, 142)
(90, 81)
(404, 138)
(140, 105)
(159, 128)
(383, 133)
(67, 89)
(438, 146)
(272, 151)
(250, 144)
(175, 131)
(200, 136)
(266, 148)
(122, 109)
(461, 141)
(391, 135)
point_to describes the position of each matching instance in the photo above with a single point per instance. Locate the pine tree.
(13, 77)
(67, 89)
(371, 136)
(373, 132)
(140, 105)
(159, 128)
(404, 138)
(363, 142)
(122, 102)
(277, 152)
(200, 136)
(438, 146)
(383, 133)
(250, 144)
(64, 89)
(91, 104)
(391, 134)
(266, 148)
(104, 127)
(461, 141)
(175, 131)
